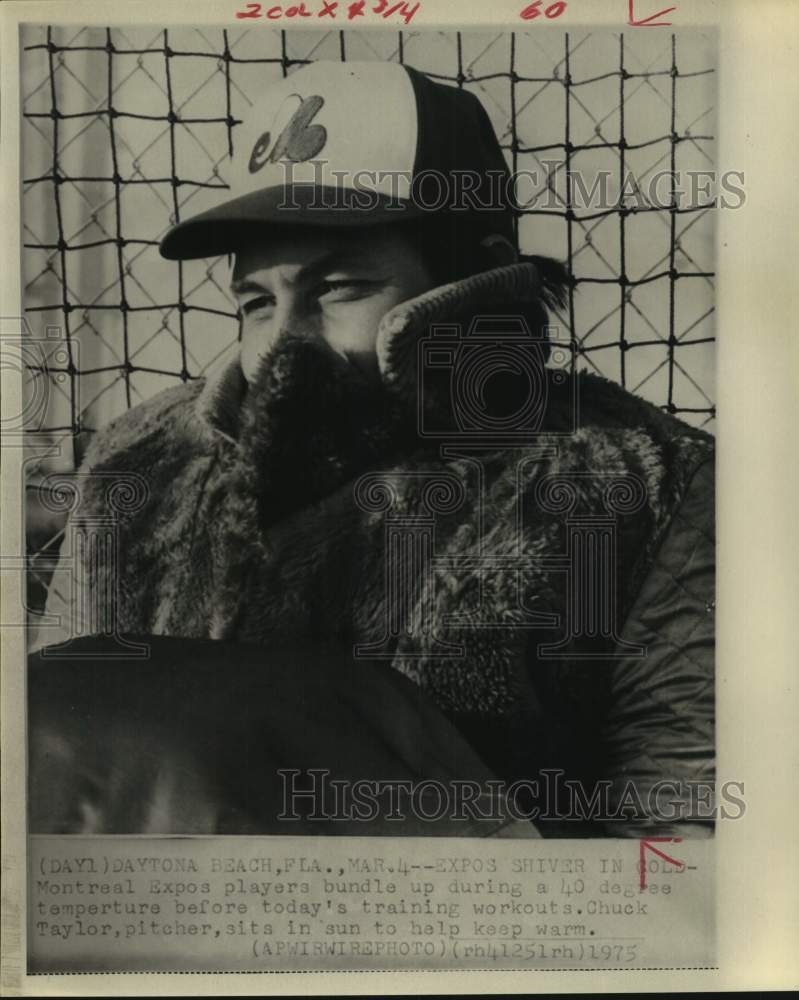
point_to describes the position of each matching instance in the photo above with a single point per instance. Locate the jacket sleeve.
(148, 444)
(659, 732)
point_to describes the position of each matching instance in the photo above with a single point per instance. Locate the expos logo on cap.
(308, 129)
(348, 127)
(298, 140)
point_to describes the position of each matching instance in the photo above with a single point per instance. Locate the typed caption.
(275, 904)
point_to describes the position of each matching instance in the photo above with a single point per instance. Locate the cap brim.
(223, 229)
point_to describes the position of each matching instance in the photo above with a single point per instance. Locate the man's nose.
(297, 313)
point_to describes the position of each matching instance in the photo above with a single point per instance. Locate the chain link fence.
(126, 130)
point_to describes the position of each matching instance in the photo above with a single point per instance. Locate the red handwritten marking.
(407, 14)
(646, 844)
(649, 22)
(404, 13)
(329, 8)
(531, 12)
(274, 13)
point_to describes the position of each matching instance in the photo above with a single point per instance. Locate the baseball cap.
(355, 144)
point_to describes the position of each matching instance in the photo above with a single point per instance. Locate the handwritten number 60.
(552, 11)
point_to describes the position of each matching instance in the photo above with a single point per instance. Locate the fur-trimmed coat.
(552, 594)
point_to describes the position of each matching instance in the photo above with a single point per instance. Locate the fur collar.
(535, 280)
(253, 532)
(311, 422)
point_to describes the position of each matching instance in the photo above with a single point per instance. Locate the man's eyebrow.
(241, 286)
(336, 259)
(333, 259)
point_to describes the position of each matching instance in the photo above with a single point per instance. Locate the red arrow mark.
(649, 22)
(646, 844)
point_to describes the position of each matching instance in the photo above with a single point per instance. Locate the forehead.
(304, 246)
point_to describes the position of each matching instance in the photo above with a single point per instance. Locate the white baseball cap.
(350, 144)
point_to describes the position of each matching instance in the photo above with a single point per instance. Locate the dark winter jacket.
(551, 591)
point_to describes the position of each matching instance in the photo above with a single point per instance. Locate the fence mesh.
(126, 130)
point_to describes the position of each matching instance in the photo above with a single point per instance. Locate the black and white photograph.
(426, 477)
(369, 446)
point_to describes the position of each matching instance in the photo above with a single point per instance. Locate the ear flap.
(555, 280)
(498, 251)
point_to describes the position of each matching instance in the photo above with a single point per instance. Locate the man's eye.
(253, 305)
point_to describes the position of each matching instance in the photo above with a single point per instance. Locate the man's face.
(334, 285)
